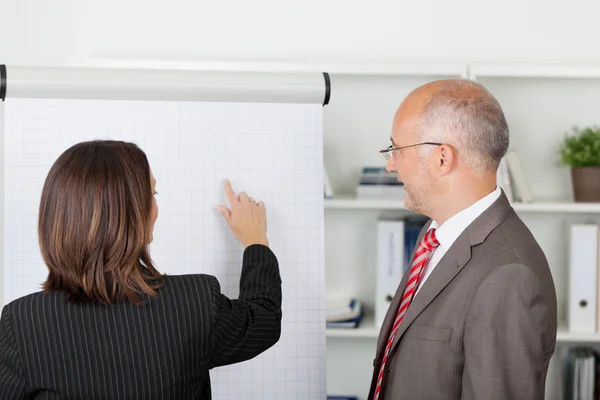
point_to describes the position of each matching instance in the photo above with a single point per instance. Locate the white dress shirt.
(450, 230)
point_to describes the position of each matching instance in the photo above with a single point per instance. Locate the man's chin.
(408, 203)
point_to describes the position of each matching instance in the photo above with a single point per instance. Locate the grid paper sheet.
(271, 151)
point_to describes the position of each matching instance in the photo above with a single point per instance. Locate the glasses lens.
(386, 153)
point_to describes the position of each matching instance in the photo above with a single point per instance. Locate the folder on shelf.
(390, 260)
(583, 278)
(412, 228)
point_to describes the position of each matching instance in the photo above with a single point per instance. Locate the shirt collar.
(449, 231)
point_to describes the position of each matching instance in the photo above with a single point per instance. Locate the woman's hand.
(247, 219)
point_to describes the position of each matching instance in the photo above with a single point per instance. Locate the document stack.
(376, 182)
(344, 313)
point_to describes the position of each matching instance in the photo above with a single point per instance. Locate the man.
(475, 314)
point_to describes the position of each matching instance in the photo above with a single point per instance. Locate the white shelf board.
(583, 71)
(367, 329)
(352, 203)
(564, 336)
(558, 206)
(395, 68)
(332, 66)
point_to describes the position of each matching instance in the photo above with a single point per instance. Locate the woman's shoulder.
(190, 281)
(189, 278)
(187, 286)
(31, 303)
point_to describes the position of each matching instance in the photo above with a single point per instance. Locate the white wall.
(65, 32)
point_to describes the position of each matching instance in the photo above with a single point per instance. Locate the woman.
(107, 324)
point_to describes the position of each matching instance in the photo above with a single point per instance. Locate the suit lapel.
(448, 267)
(453, 261)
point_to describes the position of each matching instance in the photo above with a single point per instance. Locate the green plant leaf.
(582, 147)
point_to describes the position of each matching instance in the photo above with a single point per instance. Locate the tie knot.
(429, 241)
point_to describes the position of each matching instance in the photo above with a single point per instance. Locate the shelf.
(367, 329)
(581, 71)
(352, 203)
(391, 67)
(564, 336)
(564, 207)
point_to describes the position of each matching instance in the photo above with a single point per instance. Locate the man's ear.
(446, 158)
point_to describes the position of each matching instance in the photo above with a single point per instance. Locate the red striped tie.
(428, 243)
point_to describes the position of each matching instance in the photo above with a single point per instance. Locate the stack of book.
(343, 313)
(376, 182)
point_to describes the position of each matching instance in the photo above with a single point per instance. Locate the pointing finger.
(229, 192)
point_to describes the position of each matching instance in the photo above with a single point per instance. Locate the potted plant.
(581, 152)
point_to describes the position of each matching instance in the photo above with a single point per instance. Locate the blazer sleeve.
(509, 337)
(12, 380)
(246, 327)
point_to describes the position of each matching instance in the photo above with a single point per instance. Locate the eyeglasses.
(387, 151)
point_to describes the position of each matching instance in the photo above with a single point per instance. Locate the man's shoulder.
(517, 234)
(512, 242)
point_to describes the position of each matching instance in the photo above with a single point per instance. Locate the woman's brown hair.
(94, 223)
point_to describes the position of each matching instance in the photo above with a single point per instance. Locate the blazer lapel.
(453, 261)
(448, 267)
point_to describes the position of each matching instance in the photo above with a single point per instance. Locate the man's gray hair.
(465, 115)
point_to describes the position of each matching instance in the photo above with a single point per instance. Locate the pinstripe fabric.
(164, 349)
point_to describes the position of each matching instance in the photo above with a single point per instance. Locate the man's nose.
(391, 165)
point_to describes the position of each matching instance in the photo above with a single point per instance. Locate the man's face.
(412, 168)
